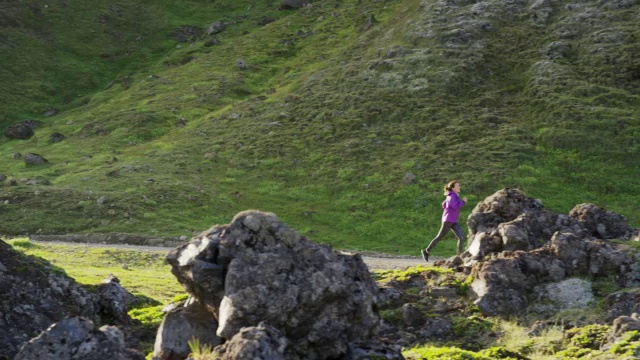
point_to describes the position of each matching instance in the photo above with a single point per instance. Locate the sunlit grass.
(140, 272)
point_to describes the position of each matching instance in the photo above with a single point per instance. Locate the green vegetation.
(143, 273)
(315, 116)
(472, 336)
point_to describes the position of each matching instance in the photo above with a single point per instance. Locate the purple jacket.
(451, 206)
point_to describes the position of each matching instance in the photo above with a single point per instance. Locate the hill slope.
(317, 114)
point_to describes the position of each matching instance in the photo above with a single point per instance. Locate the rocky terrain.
(258, 289)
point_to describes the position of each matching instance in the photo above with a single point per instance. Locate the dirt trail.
(374, 262)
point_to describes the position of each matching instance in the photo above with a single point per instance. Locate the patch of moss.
(408, 273)
(628, 345)
(588, 337)
(472, 326)
(393, 316)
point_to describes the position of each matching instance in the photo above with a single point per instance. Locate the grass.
(320, 126)
(473, 336)
(143, 273)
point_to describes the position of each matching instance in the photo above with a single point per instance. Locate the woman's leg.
(457, 229)
(443, 231)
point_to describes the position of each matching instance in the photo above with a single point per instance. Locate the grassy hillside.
(318, 115)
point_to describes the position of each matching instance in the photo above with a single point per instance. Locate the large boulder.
(256, 269)
(77, 338)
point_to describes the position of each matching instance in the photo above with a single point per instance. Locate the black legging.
(446, 226)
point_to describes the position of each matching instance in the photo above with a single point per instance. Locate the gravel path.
(373, 261)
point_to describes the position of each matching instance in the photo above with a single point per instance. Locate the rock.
(409, 178)
(179, 326)
(38, 181)
(215, 27)
(500, 287)
(601, 223)
(101, 200)
(3, 177)
(34, 159)
(623, 324)
(325, 299)
(509, 220)
(412, 316)
(114, 300)
(212, 42)
(622, 303)
(56, 137)
(256, 342)
(186, 33)
(21, 131)
(241, 64)
(438, 328)
(36, 297)
(77, 338)
(293, 4)
(571, 293)
(374, 351)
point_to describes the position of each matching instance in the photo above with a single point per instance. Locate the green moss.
(408, 273)
(393, 316)
(472, 326)
(448, 353)
(628, 345)
(588, 337)
(502, 353)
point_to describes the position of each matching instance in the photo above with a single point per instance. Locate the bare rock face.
(258, 270)
(77, 338)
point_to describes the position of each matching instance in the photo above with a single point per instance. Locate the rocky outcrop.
(531, 253)
(273, 291)
(34, 295)
(77, 338)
